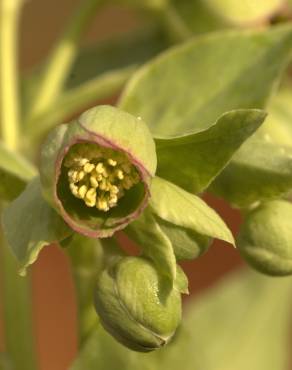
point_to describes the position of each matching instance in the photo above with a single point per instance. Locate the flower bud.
(96, 171)
(135, 307)
(265, 240)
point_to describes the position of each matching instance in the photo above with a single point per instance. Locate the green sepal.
(265, 239)
(155, 245)
(15, 173)
(193, 161)
(176, 206)
(126, 131)
(30, 224)
(181, 282)
(134, 305)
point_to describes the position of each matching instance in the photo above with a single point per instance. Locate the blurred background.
(53, 291)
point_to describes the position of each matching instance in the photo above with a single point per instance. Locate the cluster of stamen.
(99, 176)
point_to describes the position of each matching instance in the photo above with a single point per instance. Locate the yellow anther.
(89, 203)
(114, 189)
(80, 175)
(112, 162)
(102, 205)
(88, 167)
(113, 200)
(73, 175)
(74, 190)
(104, 185)
(120, 174)
(99, 168)
(98, 179)
(90, 198)
(82, 191)
(93, 181)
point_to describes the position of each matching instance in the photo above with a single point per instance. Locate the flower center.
(99, 176)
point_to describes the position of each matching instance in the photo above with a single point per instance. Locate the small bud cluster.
(98, 175)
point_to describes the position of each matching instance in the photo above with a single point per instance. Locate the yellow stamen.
(98, 179)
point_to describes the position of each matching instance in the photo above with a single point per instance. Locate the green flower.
(96, 171)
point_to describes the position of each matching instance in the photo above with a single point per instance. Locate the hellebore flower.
(265, 238)
(134, 305)
(96, 171)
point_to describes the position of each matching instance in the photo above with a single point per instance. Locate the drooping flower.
(96, 171)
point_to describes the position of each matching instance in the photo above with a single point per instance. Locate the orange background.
(54, 308)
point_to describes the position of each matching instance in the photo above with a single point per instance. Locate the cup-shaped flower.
(96, 171)
(265, 239)
(134, 306)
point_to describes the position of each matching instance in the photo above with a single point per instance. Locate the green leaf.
(175, 205)
(188, 87)
(15, 172)
(244, 12)
(260, 170)
(146, 232)
(254, 308)
(114, 54)
(30, 224)
(196, 159)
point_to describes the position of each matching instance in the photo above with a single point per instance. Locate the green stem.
(104, 86)
(16, 290)
(17, 314)
(9, 108)
(176, 28)
(86, 256)
(58, 67)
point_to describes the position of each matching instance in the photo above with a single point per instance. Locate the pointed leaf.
(181, 208)
(30, 224)
(193, 161)
(261, 170)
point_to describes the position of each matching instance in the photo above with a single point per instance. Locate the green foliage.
(198, 158)
(30, 224)
(15, 172)
(188, 87)
(203, 106)
(174, 205)
(254, 174)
